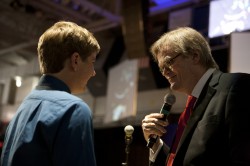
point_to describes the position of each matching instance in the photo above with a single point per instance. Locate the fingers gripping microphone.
(169, 100)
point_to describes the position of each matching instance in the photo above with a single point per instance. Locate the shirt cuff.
(152, 154)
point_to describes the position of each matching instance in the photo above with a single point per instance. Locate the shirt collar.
(48, 82)
(199, 86)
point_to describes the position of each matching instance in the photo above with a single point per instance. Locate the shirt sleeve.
(152, 154)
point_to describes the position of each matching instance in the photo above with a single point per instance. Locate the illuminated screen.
(226, 16)
(122, 91)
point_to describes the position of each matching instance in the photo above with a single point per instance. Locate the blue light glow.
(165, 4)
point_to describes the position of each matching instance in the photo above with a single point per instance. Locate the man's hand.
(152, 124)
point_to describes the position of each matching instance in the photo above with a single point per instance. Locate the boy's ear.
(74, 60)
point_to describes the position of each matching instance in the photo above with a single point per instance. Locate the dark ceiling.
(124, 29)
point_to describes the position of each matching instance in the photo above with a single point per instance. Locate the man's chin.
(173, 86)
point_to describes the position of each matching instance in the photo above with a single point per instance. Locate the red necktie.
(181, 125)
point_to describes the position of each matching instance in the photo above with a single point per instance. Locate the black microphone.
(169, 100)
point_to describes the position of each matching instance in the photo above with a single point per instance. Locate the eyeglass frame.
(168, 63)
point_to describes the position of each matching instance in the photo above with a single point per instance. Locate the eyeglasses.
(168, 63)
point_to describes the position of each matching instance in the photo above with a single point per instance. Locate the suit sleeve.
(238, 111)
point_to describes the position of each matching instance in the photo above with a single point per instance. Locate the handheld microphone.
(169, 100)
(128, 133)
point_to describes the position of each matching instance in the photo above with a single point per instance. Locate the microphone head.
(169, 98)
(129, 130)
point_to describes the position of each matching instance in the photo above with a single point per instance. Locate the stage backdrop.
(239, 52)
(122, 91)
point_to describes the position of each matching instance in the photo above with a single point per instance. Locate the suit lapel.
(200, 106)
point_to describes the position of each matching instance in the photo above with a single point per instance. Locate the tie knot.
(190, 101)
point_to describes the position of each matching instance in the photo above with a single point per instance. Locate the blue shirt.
(51, 127)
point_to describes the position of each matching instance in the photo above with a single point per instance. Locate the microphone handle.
(166, 111)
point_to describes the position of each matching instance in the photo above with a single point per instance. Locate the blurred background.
(128, 84)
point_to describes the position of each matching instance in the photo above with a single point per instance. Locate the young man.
(52, 126)
(217, 132)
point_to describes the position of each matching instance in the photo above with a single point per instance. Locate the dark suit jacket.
(218, 131)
